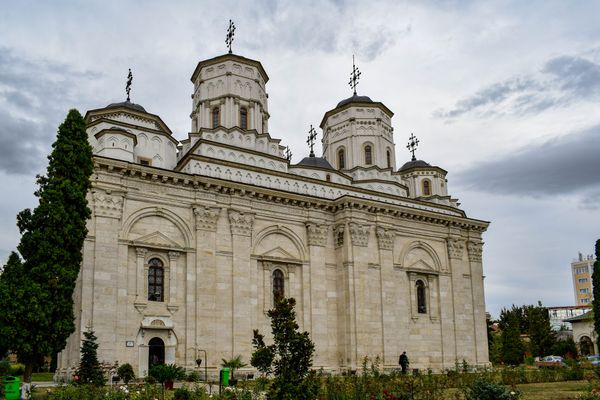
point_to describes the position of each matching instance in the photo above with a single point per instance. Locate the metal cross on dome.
(288, 153)
(128, 85)
(354, 76)
(312, 135)
(230, 33)
(413, 142)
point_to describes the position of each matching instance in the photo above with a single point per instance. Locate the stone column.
(241, 224)
(202, 295)
(385, 243)
(475, 248)
(315, 291)
(454, 337)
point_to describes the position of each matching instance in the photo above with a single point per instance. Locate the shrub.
(193, 376)
(126, 373)
(16, 369)
(484, 389)
(182, 394)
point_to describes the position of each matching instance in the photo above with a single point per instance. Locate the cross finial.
(413, 142)
(128, 85)
(312, 135)
(288, 153)
(230, 33)
(354, 76)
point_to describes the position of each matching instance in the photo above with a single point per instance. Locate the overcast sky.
(503, 95)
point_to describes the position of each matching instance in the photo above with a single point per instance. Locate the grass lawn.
(553, 390)
(41, 377)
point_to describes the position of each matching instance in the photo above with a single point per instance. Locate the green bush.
(126, 373)
(484, 389)
(193, 376)
(183, 393)
(16, 369)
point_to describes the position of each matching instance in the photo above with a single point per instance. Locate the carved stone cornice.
(455, 248)
(107, 205)
(475, 249)
(241, 222)
(385, 238)
(317, 234)
(359, 234)
(338, 234)
(207, 218)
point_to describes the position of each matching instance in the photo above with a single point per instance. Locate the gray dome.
(127, 104)
(354, 99)
(318, 162)
(413, 164)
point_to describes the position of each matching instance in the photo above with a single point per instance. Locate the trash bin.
(223, 377)
(12, 388)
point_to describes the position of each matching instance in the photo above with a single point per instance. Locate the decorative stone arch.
(427, 248)
(585, 345)
(155, 327)
(158, 212)
(302, 252)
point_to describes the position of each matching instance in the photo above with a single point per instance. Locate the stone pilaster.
(456, 248)
(173, 300)
(359, 234)
(241, 223)
(385, 243)
(315, 289)
(475, 249)
(140, 293)
(385, 238)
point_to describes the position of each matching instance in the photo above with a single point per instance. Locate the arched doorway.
(586, 347)
(156, 352)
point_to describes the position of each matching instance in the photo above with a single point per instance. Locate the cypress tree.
(542, 337)
(512, 346)
(51, 249)
(596, 292)
(89, 371)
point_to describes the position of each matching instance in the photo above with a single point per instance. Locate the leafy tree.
(542, 337)
(596, 292)
(36, 292)
(512, 346)
(565, 348)
(126, 373)
(289, 358)
(233, 364)
(90, 371)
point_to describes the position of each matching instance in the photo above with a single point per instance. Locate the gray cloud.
(34, 95)
(566, 165)
(563, 81)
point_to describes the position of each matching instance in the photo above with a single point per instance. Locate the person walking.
(403, 361)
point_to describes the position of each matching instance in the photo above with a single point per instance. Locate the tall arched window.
(368, 155)
(243, 118)
(216, 118)
(341, 159)
(278, 285)
(421, 303)
(156, 274)
(426, 187)
(388, 157)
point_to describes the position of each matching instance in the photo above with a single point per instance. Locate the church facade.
(191, 241)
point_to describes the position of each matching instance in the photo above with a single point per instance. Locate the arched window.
(328, 178)
(216, 118)
(426, 187)
(421, 303)
(278, 285)
(156, 352)
(156, 275)
(243, 118)
(388, 157)
(368, 155)
(341, 159)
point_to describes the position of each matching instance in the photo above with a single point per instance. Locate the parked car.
(551, 361)
(594, 360)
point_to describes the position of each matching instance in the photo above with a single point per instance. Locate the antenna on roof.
(230, 33)
(413, 142)
(354, 76)
(312, 135)
(128, 84)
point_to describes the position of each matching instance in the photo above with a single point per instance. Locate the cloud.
(33, 96)
(562, 81)
(566, 165)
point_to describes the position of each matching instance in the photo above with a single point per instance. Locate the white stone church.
(190, 241)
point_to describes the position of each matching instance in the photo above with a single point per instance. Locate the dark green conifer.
(89, 371)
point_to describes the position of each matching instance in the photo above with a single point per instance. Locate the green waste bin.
(223, 375)
(12, 388)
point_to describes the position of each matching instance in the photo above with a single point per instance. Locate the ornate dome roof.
(127, 104)
(413, 164)
(355, 99)
(318, 162)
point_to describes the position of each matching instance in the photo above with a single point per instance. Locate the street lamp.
(199, 363)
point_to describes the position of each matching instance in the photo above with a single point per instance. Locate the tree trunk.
(28, 371)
